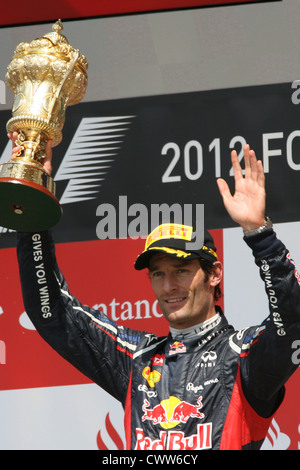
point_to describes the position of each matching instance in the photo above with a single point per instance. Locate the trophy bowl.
(45, 75)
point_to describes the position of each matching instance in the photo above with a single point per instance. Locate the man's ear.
(216, 273)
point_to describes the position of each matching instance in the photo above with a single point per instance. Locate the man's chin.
(175, 317)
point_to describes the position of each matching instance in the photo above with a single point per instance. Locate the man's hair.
(207, 267)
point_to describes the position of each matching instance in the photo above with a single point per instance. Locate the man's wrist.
(266, 226)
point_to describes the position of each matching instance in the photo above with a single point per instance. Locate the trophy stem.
(29, 140)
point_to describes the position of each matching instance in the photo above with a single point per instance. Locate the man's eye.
(157, 274)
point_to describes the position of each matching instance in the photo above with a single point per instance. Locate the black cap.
(171, 239)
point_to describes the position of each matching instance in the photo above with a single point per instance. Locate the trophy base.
(27, 206)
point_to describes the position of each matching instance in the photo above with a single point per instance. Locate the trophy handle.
(71, 67)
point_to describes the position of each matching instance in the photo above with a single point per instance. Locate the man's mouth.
(175, 300)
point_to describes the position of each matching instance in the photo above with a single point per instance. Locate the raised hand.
(247, 206)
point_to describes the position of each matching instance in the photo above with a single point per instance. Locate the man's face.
(185, 295)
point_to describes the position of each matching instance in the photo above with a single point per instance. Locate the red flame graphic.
(272, 428)
(112, 433)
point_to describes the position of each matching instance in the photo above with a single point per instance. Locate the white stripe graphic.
(91, 153)
(107, 326)
(142, 351)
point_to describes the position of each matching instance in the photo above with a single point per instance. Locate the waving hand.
(247, 205)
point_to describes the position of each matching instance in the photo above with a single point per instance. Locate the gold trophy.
(45, 75)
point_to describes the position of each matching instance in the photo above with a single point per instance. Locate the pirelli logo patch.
(183, 232)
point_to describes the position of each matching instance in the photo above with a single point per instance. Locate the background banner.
(170, 94)
(178, 146)
(90, 8)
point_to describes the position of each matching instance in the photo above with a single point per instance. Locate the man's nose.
(170, 283)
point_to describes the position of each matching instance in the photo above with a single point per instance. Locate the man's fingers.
(15, 148)
(253, 167)
(260, 174)
(247, 160)
(13, 137)
(47, 163)
(223, 188)
(256, 172)
(237, 170)
(48, 158)
(15, 151)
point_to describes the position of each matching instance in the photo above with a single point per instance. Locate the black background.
(202, 116)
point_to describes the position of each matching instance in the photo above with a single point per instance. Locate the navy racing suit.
(215, 388)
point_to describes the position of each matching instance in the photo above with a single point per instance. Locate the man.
(205, 386)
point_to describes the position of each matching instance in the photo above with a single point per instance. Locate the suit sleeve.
(266, 360)
(85, 337)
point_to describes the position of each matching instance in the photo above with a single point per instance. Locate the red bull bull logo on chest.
(168, 414)
(172, 411)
